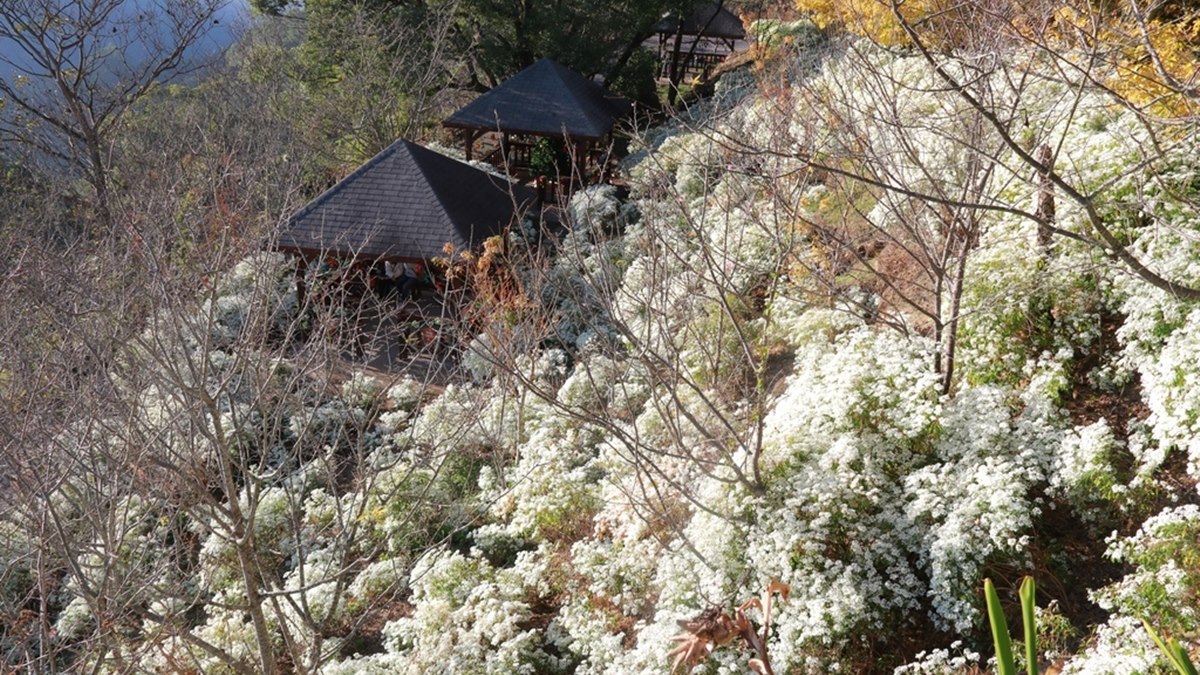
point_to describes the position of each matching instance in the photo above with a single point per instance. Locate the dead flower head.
(705, 632)
(714, 627)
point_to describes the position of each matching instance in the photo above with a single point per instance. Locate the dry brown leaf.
(713, 628)
(690, 651)
(705, 632)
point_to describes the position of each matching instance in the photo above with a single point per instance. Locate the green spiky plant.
(1005, 664)
(1174, 651)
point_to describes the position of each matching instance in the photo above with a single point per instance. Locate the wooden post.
(664, 65)
(301, 272)
(580, 150)
(469, 136)
(675, 76)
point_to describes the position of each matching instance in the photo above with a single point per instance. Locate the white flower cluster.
(956, 659)
(597, 209)
(468, 617)
(1159, 590)
(260, 285)
(402, 398)
(361, 390)
(551, 486)
(1170, 378)
(1082, 470)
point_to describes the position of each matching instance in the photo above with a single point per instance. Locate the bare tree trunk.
(950, 340)
(1045, 204)
(673, 74)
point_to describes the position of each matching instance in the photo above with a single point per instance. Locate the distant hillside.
(221, 35)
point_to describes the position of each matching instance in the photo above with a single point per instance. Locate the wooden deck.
(387, 338)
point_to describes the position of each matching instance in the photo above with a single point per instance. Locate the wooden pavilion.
(545, 101)
(405, 204)
(692, 47)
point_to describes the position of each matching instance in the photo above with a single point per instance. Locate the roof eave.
(548, 134)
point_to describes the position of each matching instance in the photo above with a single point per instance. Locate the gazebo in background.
(698, 43)
(545, 101)
(404, 205)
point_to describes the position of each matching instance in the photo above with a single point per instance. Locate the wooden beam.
(580, 150)
(301, 272)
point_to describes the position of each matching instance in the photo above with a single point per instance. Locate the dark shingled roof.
(405, 202)
(708, 22)
(542, 100)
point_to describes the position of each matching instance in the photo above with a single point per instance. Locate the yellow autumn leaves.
(1147, 58)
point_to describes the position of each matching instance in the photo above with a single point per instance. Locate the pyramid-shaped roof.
(544, 100)
(709, 20)
(405, 202)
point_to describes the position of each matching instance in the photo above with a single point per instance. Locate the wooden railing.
(701, 64)
(520, 154)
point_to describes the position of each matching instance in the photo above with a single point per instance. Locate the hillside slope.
(823, 343)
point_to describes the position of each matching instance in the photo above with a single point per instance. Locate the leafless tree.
(170, 486)
(153, 402)
(913, 215)
(921, 188)
(1089, 201)
(72, 69)
(661, 318)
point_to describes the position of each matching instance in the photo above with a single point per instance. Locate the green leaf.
(1174, 651)
(1004, 656)
(1183, 663)
(1028, 604)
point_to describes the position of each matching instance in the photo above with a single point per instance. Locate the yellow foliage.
(1154, 61)
(942, 23)
(1140, 80)
(870, 18)
(1154, 77)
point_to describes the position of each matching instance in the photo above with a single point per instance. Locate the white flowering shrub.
(974, 504)
(597, 209)
(362, 391)
(1083, 470)
(405, 393)
(956, 659)
(1162, 552)
(885, 389)
(692, 414)
(599, 383)
(1119, 646)
(471, 617)
(452, 420)
(478, 359)
(330, 424)
(573, 287)
(691, 159)
(550, 488)
(1169, 380)
(380, 580)
(259, 286)
(1161, 590)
